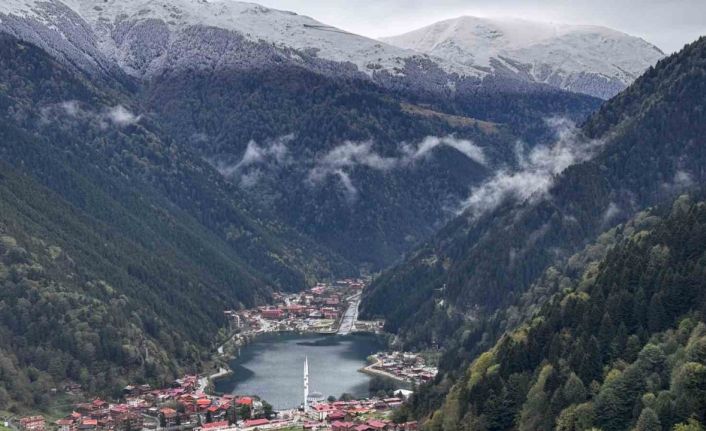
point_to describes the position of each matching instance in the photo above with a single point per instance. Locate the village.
(403, 366)
(327, 308)
(183, 406)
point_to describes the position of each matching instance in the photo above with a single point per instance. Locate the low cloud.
(116, 115)
(682, 181)
(121, 116)
(424, 148)
(611, 212)
(71, 108)
(249, 169)
(349, 155)
(536, 171)
(350, 189)
(340, 160)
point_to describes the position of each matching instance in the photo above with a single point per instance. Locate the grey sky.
(669, 24)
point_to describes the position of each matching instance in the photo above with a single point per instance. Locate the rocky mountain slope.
(587, 59)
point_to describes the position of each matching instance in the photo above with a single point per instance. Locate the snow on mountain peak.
(281, 29)
(574, 57)
(146, 37)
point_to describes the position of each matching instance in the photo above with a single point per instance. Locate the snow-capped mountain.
(589, 59)
(144, 37)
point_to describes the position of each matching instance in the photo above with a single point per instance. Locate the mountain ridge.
(143, 37)
(589, 59)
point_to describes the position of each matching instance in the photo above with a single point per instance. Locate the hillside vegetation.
(478, 264)
(621, 348)
(120, 249)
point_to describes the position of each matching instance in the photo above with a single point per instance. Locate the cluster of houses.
(409, 367)
(317, 309)
(356, 415)
(33, 423)
(146, 408)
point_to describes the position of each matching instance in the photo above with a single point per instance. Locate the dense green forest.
(620, 346)
(477, 265)
(394, 209)
(120, 249)
(83, 303)
(120, 234)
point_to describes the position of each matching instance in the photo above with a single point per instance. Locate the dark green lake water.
(272, 367)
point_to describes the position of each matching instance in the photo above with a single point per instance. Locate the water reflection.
(272, 367)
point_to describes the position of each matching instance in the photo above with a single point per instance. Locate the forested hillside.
(119, 245)
(621, 346)
(485, 260)
(270, 129)
(84, 303)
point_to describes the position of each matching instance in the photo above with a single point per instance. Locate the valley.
(217, 215)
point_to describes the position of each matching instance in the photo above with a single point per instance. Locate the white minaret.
(306, 384)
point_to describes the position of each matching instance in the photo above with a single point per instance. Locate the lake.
(272, 367)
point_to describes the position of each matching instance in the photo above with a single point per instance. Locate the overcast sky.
(669, 24)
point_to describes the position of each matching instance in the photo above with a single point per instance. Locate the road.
(203, 381)
(370, 369)
(350, 316)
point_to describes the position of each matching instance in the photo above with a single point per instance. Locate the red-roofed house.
(99, 404)
(244, 401)
(377, 425)
(33, 423)
(273, 313)
(342, 426)
(170, 416)
(213, 426)
(255, 423)
(336, 415)
(65, 424)
(88, 424)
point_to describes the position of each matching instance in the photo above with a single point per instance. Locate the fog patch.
(121, 116)
(425, 147)
(682, 181)
(344, 158)
(610, 213)
(537, 169)
(349, 155)
(71, 108)
(256, 159)
(117, 115)
(350, 190)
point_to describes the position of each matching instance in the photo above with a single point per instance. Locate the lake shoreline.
(267, 365)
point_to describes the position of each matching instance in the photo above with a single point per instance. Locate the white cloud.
(349, 155)
(424, 148)
(353, 154)
(612, 211)
(536, 169)
(350, 189)
(275, 152)
(121, 116)
(71, 107)
(117, 115)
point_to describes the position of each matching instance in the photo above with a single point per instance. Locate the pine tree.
(648, 421)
